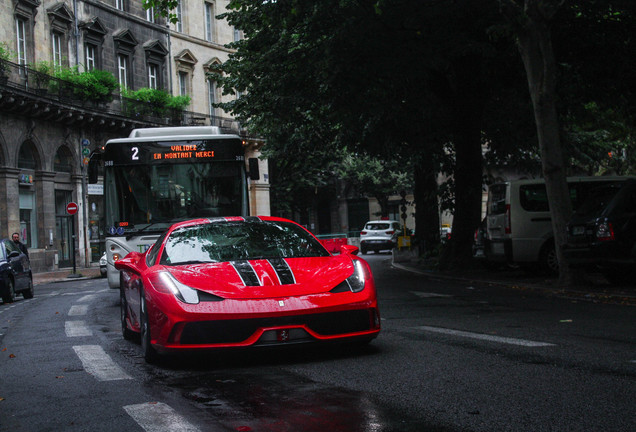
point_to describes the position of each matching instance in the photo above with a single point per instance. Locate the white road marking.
(159, 417)
(87, 298)
(77, 310)
(429, 294)
(77, 328)
(506, 340)
(99, 364)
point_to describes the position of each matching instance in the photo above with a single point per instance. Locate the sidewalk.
(597, 290)
(63, 275)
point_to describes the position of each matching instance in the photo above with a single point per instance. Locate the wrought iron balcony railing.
(21, 84)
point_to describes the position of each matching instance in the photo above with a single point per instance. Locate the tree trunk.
(426, 205)
(535, 47)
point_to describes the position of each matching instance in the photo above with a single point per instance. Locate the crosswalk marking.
(159, 417)
(99, 364)
(77, 329)
(78, 310)
(481, 336)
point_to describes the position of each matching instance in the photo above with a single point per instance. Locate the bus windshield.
(160, 194)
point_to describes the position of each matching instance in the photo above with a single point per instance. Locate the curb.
(597, 297)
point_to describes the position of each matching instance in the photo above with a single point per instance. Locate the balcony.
(27, 92)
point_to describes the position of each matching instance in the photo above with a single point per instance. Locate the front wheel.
(123, 306)
(150, 354)
(8, 295)
(548, 260)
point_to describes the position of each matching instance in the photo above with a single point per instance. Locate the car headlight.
(165, 282)
(355, 282)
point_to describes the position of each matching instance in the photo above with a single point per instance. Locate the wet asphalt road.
(451, 357)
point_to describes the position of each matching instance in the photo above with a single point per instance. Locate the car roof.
(245, 219)
(381, 221)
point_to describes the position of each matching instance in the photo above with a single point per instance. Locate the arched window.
(63, 160)
(26, 158)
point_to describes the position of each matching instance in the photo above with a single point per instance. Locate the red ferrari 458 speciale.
(240, 282)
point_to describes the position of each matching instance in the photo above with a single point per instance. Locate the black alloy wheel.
(123, 307)
(150, 354)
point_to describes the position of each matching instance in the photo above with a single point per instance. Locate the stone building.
(45, 135)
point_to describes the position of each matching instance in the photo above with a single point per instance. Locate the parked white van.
(518, 222)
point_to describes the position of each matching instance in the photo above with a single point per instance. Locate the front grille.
(235, 331)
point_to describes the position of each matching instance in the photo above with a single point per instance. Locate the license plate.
(578, 230)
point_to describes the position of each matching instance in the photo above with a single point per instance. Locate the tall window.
(237, 35)
(119, 4)
(122, 67)
(183, 83)
(209, 22)
(150, 14)
(152, 75)
(179, 13)
(56, 41)
(211, 96)
(90, 57)
(20, 29)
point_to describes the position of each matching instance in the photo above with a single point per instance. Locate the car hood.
(266, 278)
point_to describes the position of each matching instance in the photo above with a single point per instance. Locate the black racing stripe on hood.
(246, 273)
(284, 273)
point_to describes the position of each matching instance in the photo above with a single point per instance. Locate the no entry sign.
(71, 208)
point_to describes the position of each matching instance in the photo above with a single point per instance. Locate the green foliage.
(178, 102)
(6, 54)
(164, 8)
(154, 102)
(94, 85)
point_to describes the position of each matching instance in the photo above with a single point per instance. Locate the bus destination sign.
(133, 153)
(183, 152)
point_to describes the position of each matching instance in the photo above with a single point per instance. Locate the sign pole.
(71, 209)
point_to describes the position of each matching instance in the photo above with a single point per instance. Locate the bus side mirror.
(93, 167)
(254, 171)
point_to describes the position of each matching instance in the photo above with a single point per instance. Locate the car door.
(19, 264)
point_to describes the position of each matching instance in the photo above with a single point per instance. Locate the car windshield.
(378, 226)
(233, 241)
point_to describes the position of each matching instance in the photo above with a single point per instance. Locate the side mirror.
(130, 262)
(349, 249)
(254, 170)
(14, 254)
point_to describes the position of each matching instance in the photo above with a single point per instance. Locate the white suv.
(379, 235)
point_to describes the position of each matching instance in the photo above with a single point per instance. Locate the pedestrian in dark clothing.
(19, 244)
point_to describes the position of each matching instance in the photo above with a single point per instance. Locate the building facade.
(47, 135)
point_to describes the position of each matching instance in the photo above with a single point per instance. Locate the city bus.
(158, 176)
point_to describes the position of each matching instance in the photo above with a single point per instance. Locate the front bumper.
(177, 326)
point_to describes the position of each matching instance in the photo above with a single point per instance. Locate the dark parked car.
(15, 272)
(602, 232)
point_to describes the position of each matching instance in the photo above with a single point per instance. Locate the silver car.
(379, 235)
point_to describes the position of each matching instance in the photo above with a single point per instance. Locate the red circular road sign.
(71, 208)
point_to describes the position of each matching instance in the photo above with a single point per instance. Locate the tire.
(363, 250)
(548, 262)
(8, 295)
(123, 307)
(150, 354)
(28, 293)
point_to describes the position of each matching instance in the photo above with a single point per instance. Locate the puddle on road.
(276, 400)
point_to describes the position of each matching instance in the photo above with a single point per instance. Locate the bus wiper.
(135, 233)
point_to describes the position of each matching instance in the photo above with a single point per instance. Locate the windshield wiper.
(192, 262)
